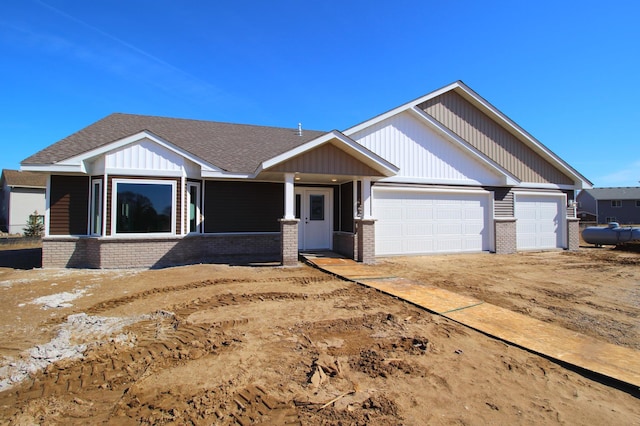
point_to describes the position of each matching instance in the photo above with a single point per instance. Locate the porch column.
(366, 241)
(573, 233)
(366, 237)
(289, 197)
(366, 198)
(289, 225)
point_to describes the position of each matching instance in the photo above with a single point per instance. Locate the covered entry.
(314, 209)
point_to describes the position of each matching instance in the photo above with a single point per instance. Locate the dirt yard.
(218, 344)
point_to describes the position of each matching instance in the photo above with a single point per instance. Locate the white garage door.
(423, 222)
(540, 221)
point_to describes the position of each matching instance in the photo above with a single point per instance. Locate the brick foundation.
(289, 242)
(366, 237)
(506, 238)
(573, 234)
(111, 253)
(345, 244)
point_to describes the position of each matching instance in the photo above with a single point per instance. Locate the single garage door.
(540, 221)
(423, 222)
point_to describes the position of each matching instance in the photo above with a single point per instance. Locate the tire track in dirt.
(109, 372)
(114, 303)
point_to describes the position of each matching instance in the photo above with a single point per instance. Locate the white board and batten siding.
(421, 221)
(540, 221)
(144, 156)
(422, 154)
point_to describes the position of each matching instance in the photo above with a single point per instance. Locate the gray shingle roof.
(15, 178)
(626, 193)
(232, 147)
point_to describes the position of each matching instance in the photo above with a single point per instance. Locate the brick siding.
(366, 237)
(111, 253)
(289, 242)
(573, 234)
(505, 232)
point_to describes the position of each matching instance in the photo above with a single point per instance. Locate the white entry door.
(314, 209)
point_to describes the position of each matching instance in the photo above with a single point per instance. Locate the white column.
(289, 197)
(355, 200)
(366, 198)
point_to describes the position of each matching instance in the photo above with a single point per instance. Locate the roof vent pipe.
(299, 129)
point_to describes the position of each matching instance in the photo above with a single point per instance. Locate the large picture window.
(144, 207)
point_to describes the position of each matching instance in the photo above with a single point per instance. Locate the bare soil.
(219, 344)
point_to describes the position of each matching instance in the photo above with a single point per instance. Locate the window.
(610, 219)
(637, 203)
(616, 203)
(317, 207)
(96, 207)
(193, 200)
(144, 206)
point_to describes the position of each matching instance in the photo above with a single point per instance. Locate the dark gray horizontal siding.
(68, 205)
(502, 202)
(243, 206)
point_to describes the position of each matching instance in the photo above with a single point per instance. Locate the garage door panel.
(539, 220)
(432, 222)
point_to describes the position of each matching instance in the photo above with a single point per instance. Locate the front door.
(314, 209)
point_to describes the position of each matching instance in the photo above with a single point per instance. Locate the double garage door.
(540, 221)
(422, 222)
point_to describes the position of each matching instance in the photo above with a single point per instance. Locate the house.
(606, 205)
(21, 194)
(444, 173)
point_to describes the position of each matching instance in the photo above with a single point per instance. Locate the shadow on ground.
(21, 258)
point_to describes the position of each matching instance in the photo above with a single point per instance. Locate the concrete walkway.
(616, 362)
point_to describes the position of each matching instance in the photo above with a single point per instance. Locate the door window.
(316, 204)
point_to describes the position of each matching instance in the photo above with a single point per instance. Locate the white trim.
(114, 202)
(105, 191)
(289, 196)
(353, 148)
(47, 207)
(139, 172)
(187, 208)
(92, 185)
(421, 188)
(535, 185)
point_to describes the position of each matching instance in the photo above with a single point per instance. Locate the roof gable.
(570, 176)
(326, 159)
(234, 148)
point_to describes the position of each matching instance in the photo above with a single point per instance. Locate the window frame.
(96, 195)
(616, 204)
(114, 207)
(198, 211)
(637, 203)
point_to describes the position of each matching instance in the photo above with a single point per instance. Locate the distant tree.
(35, 227)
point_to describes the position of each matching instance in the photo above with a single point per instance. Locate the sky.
(565, 71)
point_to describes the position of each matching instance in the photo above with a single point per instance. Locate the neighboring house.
(620, 205)
(445, 173)
(21, 194)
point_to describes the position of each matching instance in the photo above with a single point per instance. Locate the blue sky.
(566, 71)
